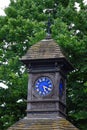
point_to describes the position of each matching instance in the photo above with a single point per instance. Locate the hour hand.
(46, 88)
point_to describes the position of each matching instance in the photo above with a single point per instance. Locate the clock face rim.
(42, 94)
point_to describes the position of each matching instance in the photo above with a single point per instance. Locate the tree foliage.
(24, 25)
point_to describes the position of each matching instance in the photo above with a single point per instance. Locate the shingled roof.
(45, 49)
(48, 50)
(43, 124)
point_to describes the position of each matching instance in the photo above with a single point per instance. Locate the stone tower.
(47, 67)
(46, 101)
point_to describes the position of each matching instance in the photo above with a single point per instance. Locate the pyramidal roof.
(43, 124)
(45, 49)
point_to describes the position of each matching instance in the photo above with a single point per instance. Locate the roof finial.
(48, 11)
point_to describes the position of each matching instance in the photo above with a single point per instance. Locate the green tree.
(24, 25)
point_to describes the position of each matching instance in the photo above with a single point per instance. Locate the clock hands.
(43, 86)
(46, 88)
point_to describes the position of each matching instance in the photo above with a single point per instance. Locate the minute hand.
(46, 88)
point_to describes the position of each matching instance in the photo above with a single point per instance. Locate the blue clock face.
(43, 86)
(61, 88)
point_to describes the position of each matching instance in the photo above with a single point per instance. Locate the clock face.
(43, 86)
(61, 88)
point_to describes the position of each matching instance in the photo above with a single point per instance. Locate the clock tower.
(48, 68)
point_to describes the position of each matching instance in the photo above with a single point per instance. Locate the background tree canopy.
(24, 25)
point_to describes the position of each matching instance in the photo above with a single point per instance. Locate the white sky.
(85, 2)
(2, 85)
(3, 4)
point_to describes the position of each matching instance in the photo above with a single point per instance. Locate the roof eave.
(62, 60)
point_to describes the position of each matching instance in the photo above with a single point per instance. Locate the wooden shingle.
(45, 49)
(43, 124)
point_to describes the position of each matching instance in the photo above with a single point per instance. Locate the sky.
(3, 4)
